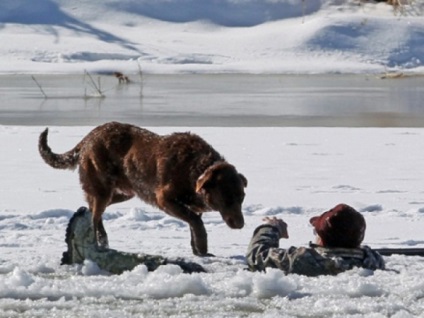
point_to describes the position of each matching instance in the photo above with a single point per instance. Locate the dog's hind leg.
(98, 192)
(97, 208)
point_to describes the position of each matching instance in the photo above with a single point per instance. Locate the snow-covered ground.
(293, 173)
(167, 36)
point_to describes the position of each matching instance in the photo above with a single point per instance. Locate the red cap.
(342, 226)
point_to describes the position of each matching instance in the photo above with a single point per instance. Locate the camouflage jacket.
(314, 260)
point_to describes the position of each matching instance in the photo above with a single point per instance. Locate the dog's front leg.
(199, 239)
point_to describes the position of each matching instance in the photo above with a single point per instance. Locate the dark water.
(214, 100)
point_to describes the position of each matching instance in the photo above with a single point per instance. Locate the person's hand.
(279, 224)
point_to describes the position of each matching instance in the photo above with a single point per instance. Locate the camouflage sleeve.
(264, 251)
(116, 262)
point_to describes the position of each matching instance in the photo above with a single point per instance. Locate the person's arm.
(372, 259)
(264, 251)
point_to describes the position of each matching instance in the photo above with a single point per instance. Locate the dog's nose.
(235, 223)
(239, 225)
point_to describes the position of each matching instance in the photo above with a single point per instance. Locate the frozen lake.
(214, 100)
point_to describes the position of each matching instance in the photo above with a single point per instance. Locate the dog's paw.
(206, 255)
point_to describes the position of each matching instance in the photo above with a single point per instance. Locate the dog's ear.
(243, 179)
(202, 181)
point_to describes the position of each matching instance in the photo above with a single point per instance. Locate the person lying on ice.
(339, 234)
(82, 245)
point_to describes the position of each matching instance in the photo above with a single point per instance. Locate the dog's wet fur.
(179, 173)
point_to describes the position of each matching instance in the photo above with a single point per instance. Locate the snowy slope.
(257, 36)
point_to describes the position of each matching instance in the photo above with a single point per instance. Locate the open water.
(236, 100)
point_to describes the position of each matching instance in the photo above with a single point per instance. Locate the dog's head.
(222, 189)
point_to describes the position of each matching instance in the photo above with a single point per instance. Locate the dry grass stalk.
(39, 86)
(140, 73)
(96, 87)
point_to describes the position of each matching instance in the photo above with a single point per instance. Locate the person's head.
(342, 226)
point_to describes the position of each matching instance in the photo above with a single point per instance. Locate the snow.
(298, 173)
(294, 173)
(172, 36)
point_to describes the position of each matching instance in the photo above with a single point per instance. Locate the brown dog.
(179, 173)
(121, 78)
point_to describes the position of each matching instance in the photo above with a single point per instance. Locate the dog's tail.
(67, 160)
